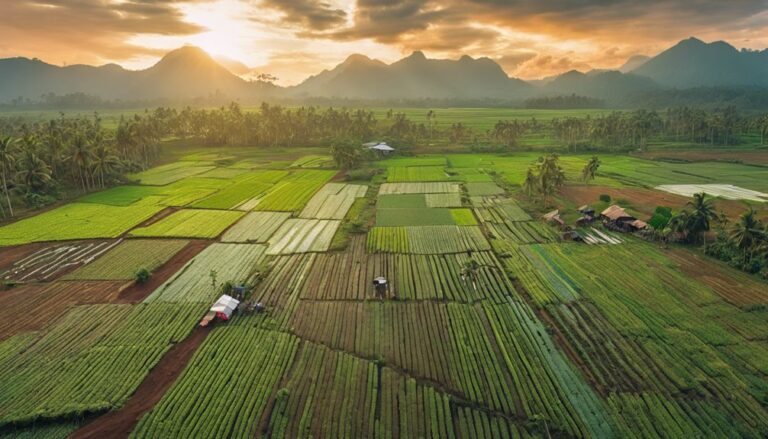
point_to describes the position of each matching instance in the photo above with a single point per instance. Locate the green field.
(493, 324)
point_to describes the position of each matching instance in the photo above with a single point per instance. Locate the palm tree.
(746, 233)
(81, 158)
(678, 224)
(590, 169)
(701, 214)
(104, 163)
(7, 161)
(34, 174)
(469, 272)
(530, 184)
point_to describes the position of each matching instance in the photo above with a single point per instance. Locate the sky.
(292, 39)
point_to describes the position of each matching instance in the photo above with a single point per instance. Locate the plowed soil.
(120, 423)
(34, 306)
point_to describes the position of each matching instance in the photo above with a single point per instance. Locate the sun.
(228, 32)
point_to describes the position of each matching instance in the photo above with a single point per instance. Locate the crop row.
(193, 283)
(191, 223)
(443, 200)
(90, 361)
(122, 261)
(419, 188)
(661, 332)
(523, 232)
(501, 213)
(303, 236)
(225, 387)
(255, 227)
(237, 193)
(281, 288)
(76, 221)
(333, 201)
(172, 172)
(50, 300)
(426, 239)
(482, 189)
(347, 276)
(288, 195)
(416, 173)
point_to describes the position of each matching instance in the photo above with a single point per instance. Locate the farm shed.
(616, 218)
(586, 210)
(554, 217)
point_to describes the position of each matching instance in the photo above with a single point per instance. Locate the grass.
(191, 223)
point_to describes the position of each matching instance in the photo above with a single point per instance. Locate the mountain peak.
(186, 54)
(417, 55)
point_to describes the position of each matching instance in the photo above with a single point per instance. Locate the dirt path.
(120, 423)
(136, 293)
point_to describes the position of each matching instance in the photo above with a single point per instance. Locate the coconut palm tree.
(747, 233)
(34, 174)
(701, 214)
(80, 158)
(590, 169)
(530, 184)
(7, 162)
(104, 163)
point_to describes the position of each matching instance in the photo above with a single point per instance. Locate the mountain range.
(188, 73)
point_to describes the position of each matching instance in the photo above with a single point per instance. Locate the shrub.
(605, 198)
(364, 174)
(142, 275)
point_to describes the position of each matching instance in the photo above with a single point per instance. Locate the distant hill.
(694, 63)
(414, 77)
(182, 74)
(612, 86)
(188, 73)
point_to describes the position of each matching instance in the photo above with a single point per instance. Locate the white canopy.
(226, 304)
(382, 147)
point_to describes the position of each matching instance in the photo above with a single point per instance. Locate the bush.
(605, 198)
(142, 276)
(364, 174)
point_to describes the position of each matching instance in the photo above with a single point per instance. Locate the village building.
(616, 218)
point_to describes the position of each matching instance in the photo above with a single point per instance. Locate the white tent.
(225, 305)
(382, 147)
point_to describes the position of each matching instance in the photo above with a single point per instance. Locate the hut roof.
(226, 304)
(615, 213)
(551, 215)
(382, 147)
(639, 224)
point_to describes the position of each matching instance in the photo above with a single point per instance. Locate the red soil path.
(120, 423)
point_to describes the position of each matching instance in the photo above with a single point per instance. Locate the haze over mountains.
(188, 73)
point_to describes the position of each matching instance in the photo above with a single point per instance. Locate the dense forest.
(37, 159)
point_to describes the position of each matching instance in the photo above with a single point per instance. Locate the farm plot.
(280, 289)
(463, 217)
(303, 236)
(224, 173)
(426, 239)
(416, 173)
(498, 210)
(481, 189)
(418, 188)
(123, 261)
(191, 223)
(101, 352)
(403, 201)
(347, 275)
(313, 161)
(438, 342)
(172, 172)
(231, 262)
(76, 221)
(255, 227)
(235, 194)
(414, 217)
(51, 301)
(120, 195)
(683, 329)
(289, 195)
(593, 236)
(523, 232)
(727, 191)
(216, 395)
(52, 261)
(443, 200)
(333, 201)
(414, 161)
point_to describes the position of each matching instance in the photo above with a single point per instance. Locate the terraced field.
(491, 325)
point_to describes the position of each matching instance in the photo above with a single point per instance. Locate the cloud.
(88, 30)
(543, 65)
(309, 14)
